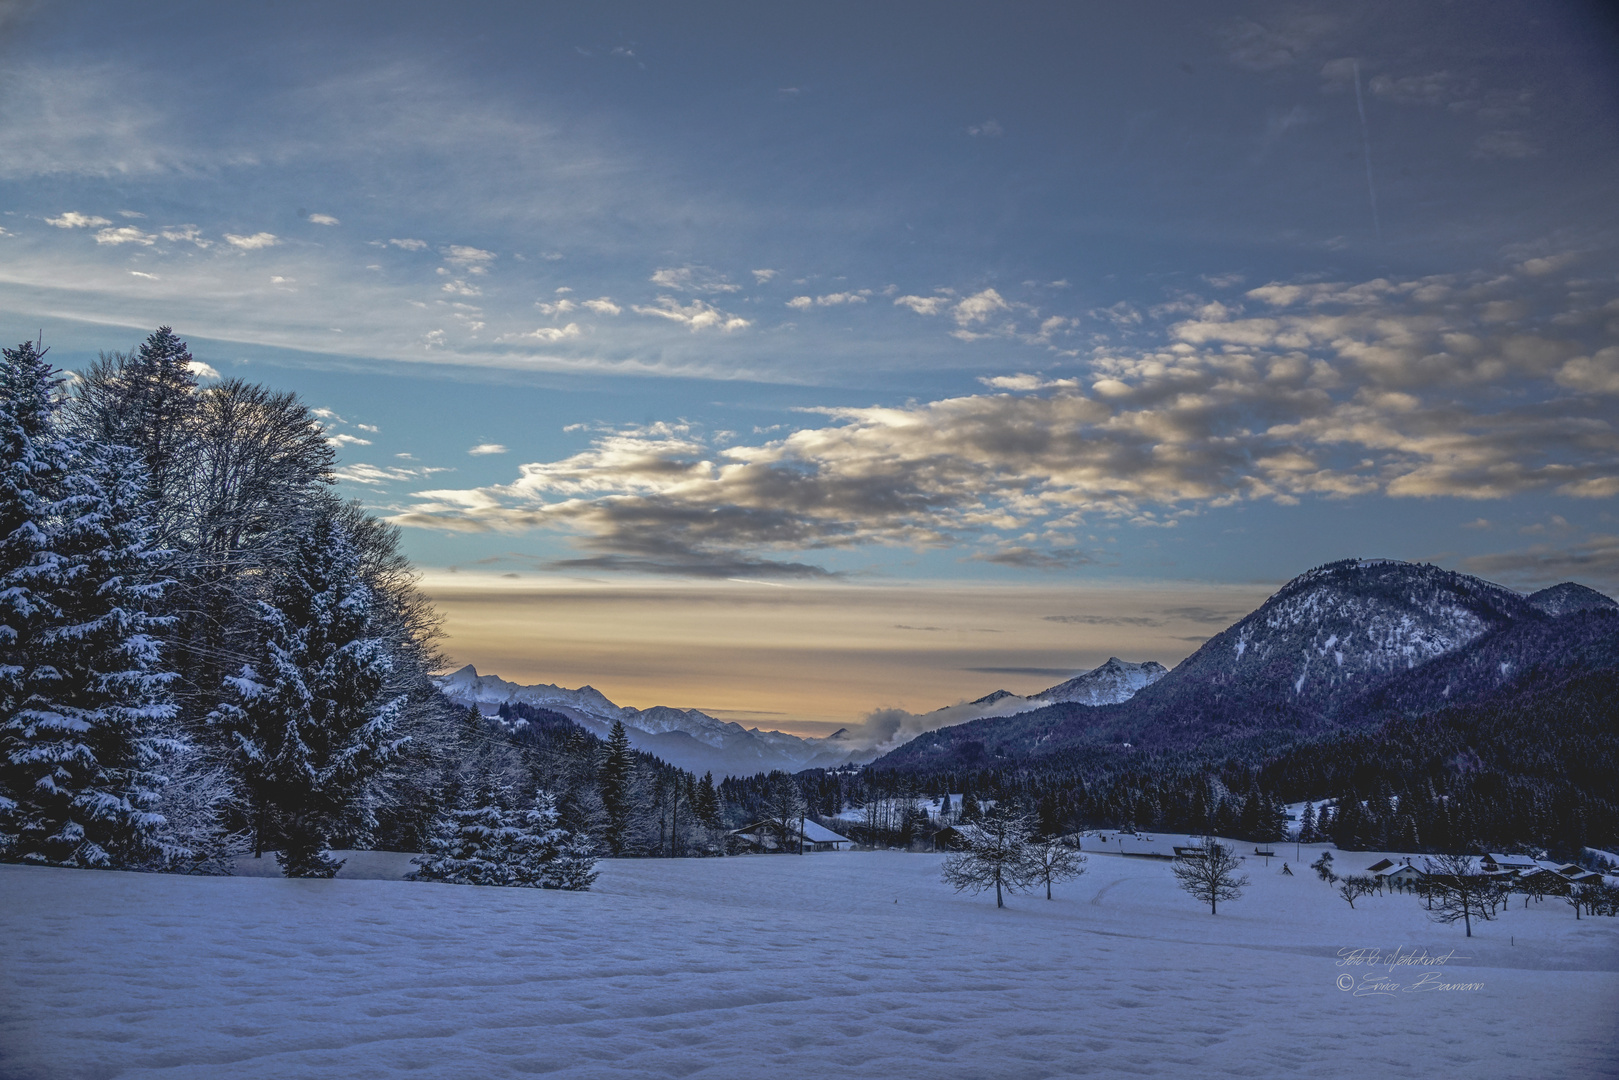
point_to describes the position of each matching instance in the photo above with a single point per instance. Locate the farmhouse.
(766, 836)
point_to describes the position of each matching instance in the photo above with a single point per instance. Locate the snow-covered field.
(846, 965)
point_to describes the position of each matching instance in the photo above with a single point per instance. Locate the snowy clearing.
(854, 964)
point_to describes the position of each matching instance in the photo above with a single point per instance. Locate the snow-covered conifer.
(309, 719)
(96, 728)
(33, 462)
(487, 844)
(469, 846)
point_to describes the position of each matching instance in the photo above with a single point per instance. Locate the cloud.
(1028, 558)
(979, 307)
(323, 219)
(559, 307)
(72, 219)
(376, 476)
(409, 244)
(922, 305)
(989, 129)
(762, 276)
(803, 303)
(602, 305)
(1593, 562)
(254, 242)
(458, 287)
(483, 449)
(202, 370)
(1384, 388)
(692, 279)
(126, 234)
(1595, 374)
(472, 260)
(695, 316)
(1104, 620)
(1026, 383)
(185, 234)
(546, 334)
(346, 439)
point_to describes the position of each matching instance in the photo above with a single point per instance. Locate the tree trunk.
(1001, 903)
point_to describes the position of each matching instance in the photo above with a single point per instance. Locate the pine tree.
(100, 725)
(309, 721)
(615, 787)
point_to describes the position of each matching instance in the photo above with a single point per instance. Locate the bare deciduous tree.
(1052, 860)
(996, 855)
(1210, 874)
(1456, 891)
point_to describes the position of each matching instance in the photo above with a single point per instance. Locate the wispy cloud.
(483, 449)
(254, 242)
(698, 279)
(125, 234)
(72, 219)
(695, 316)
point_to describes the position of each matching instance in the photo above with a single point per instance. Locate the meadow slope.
(847, 965)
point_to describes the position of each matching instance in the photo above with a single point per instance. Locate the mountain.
(1568, 597)
(1342, 645)
(1113, 682)
(686, 738)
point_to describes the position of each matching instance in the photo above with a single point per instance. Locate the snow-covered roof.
(820, 834)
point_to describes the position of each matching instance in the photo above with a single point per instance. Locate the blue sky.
(1040, 293)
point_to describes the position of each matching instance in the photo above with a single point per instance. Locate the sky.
(800, 361)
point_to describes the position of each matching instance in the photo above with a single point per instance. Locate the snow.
(854, 965)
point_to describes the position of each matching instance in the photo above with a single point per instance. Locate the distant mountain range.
(1346, 644)
(693, 740)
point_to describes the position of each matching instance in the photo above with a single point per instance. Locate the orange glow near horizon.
(807, 659)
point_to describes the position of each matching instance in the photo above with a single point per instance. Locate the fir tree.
(33, 464)
(309, 722)
(97, 728)
(706, 802)
(145, 400)
(1307, 833)
(469, 845)
(32, 461)
(615, 787)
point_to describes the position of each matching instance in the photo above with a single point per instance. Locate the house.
(766, 836)
(1379, 866)
(1191, 851)
(1404, 879)
(1494, 863)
